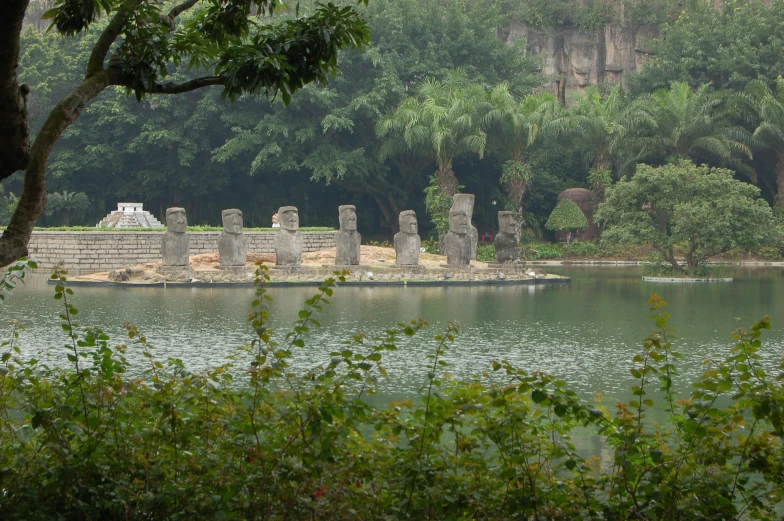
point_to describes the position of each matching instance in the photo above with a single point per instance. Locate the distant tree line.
(437, 103)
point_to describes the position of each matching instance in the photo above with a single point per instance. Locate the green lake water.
(585, 332)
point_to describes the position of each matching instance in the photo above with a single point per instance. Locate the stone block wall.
(86, 252)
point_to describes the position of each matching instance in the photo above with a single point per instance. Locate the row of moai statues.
(459, 244)
(288, 242)
(176, 246)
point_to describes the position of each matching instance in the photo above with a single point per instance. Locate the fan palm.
(603, 129)
(66, 202)
(514, 126)
(440, 123)
(769, 107)
(696, 124)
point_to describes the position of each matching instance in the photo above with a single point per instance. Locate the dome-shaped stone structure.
(587, 201)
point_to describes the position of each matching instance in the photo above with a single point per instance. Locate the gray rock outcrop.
(348, 239)
(175, 244)
(407, 241)
(232, 243)
(580, 58)
(288, 241)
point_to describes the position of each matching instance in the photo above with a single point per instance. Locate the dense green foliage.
(704, 209)
(254, 438)
(514, 147)
(566, 216)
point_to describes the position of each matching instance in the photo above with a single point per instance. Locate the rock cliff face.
(574, 59)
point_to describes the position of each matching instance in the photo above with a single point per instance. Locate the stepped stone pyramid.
(129, 215)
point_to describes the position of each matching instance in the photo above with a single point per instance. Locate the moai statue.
(465, 203)
(457, 243)
(175, 245)
(347, 239)
(407, 242)
(232, 243)
(506, 240)
(288, 241)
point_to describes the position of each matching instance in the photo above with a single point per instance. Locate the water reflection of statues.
(407, 242)
(465, 203)
(506, 240)
(232, 243)
(457, 243)
(175, 245)
(288, 241)
(347, 240)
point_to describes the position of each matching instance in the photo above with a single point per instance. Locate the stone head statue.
(232, 221)
(288, 216)
(176, 221)
(507, 223)
(348, 218)
(465, 203)
(408, 222)
(458, 222)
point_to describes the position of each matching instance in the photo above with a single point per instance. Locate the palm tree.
(604, 129)
(66, 202)
(514, 126)
(769, 107)
(440, 122)
(696, 124)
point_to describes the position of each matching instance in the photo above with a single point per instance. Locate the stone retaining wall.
(99, 251)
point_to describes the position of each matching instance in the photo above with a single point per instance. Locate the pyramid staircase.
(129, 215)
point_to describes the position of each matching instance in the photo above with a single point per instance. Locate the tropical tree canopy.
(225, 42)
(697, 124)
(686, 212)
(440, 122)
(65, 203)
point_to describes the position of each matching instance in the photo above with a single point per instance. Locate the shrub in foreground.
(256, 439)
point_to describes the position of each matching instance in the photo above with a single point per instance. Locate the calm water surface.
(585, 332)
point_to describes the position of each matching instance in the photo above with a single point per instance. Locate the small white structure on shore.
(129, 215)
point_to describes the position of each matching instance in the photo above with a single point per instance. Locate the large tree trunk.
(13, 243)
(447, 181)
(779, 171)
(14, 133)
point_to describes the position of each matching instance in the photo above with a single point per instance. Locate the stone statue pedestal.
(288, 248)
(457, 267)
(288, 269)
(412, 268)
(176, 273)
(355, 269)
(233, 250)
(347, 246)
(175, 249)
(238, 270)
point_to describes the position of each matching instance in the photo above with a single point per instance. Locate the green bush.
(543, 250)
(581, 249)
(485, 252)
(566, 216)
(254, 439)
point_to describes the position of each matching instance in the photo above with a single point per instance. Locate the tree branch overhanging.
(105, 41)
(178, 9)
(194, 84)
